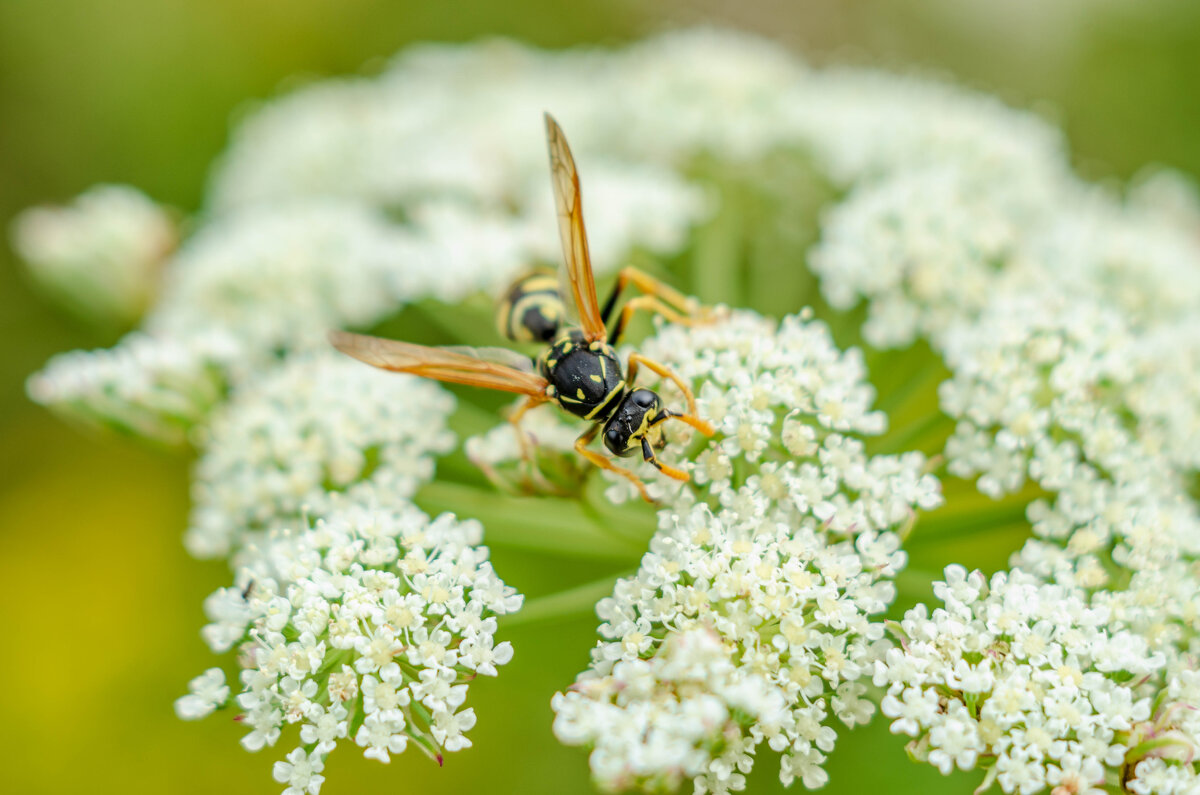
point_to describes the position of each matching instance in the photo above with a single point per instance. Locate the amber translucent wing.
(459, 366)
(569, 202)
(504, 356)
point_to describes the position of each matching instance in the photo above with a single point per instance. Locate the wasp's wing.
(504, 356)
(576, 261)
(460, 366)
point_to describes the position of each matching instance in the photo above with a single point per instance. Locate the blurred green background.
(101, 604)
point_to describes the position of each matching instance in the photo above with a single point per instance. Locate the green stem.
(566, 604)
(471, 419)
(1002, 520)
(969, 512)
(964, 501)
(915, 580)
(546, 524)
(890, 368)
(916, 385)
(1145, 749)
(718, 254)
(902, 439)
(457, 468)
(471, 322)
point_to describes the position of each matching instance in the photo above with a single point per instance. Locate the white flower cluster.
(366, 628)
(1065, 392)
(1035, 370)
(280, 277)
(779, 394)
(1026, 679)
(466, 123)
(319, 431)
(733, 633)
(275, 280)
(751, 618)
(930, 237)
(924, 246)
(1053, 365)
(1067, 317)
(1073, 358)
(148, 386)
(101, 254)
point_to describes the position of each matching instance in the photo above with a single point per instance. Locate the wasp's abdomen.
(532, 309)
(587, 379)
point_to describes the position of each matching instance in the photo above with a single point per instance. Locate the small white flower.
(381, 737)
(325, 727)
(208, 691)
(301, 772)
(449, 727)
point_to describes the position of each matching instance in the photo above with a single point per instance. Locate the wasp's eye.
(613, 436)
(644, 398)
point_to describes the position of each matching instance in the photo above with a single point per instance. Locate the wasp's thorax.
(585, 378)
(532, 308)
(636, 423)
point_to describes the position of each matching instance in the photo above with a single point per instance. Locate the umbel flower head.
(975, 343)
(755, 614)
(319, 431)
(366, 627)
(1028, 674)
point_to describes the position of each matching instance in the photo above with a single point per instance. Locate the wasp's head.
(637, 418)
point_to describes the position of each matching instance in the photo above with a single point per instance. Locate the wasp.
(579, 370)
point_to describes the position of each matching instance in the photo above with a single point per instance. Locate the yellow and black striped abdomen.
(532, 309)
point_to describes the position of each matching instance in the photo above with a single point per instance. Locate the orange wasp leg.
(650, 286)
(668, 470)
(604, 463)
(692, 417)
(652, 304)
(670, 303)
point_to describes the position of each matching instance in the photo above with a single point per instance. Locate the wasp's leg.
(651, 303)
(692, 417)
(666, 469)
(650, 286)
(671, 415)
(530, 402)
(671, 303)
(604, 463)
(528, 453)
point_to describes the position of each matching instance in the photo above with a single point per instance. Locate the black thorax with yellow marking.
(532, 308)
(587, 379)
